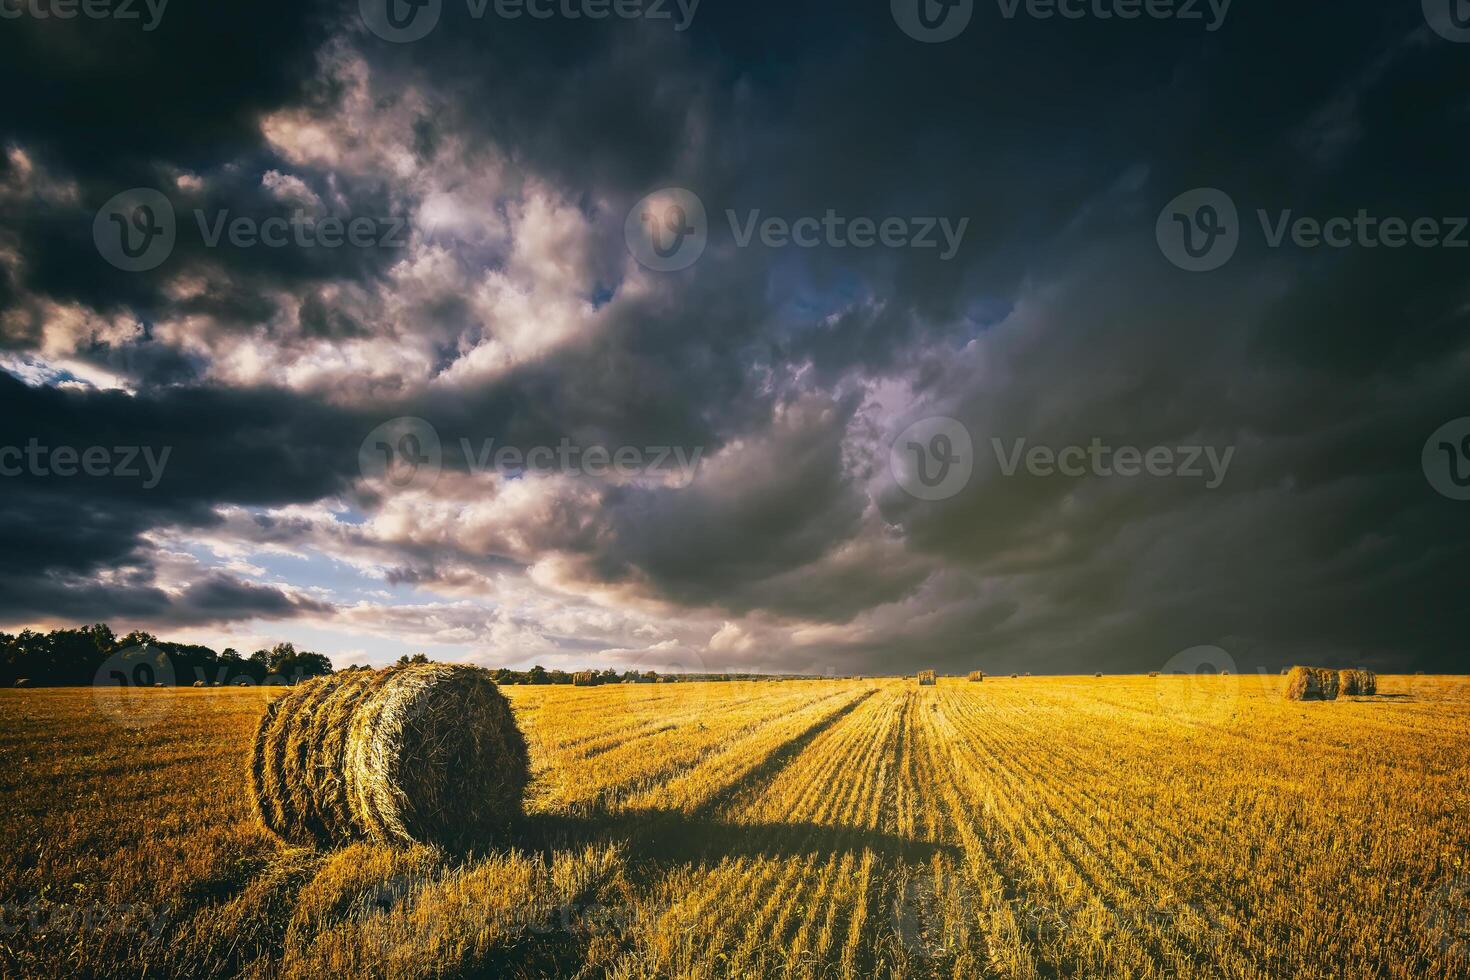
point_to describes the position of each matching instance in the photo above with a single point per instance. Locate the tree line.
(96, 655)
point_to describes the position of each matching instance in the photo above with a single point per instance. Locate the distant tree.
(418, 658)
(286, 661)
(538, 675)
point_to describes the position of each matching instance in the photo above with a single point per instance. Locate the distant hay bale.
(1015, 677)
(1312, 684)
(23, 682)
(927, 678)
(977, 675)
(1357, 682)
(1153, 673)
(428, 753)
(199, 684)
(1099, 674)
(586, 678)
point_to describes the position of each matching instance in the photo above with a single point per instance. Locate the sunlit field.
(1034, 827)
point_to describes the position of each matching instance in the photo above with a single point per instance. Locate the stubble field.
(1034, 827)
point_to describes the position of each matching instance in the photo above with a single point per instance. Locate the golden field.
(1040, 827)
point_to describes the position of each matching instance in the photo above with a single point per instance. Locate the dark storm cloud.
(1057, 321)
(73, 535)
(108, 98)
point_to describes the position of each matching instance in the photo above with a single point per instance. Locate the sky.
(769, 336)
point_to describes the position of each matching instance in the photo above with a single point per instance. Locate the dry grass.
(1062, 828)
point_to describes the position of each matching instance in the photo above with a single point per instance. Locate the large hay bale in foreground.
(428, 753)
(1312, 684)
(1357, 682)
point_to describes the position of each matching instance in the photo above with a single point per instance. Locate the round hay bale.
(23, 682)
(1312, 684)
(199, 684)
(1357, 683)
(428, 753)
